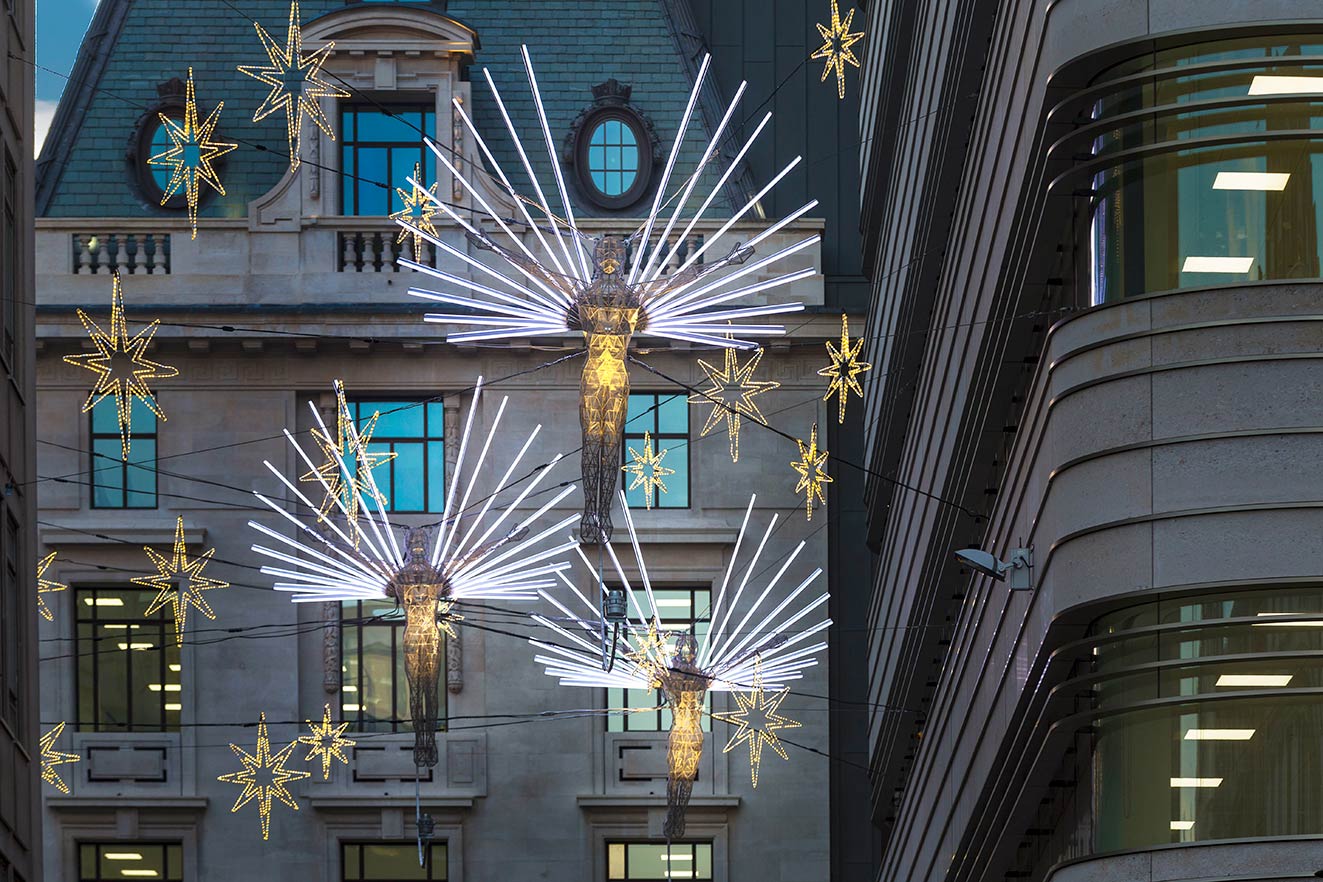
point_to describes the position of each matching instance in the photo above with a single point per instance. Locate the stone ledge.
(115, 803)
(598, 801)
(370, 803)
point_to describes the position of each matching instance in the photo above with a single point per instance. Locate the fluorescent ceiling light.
(122, 856)
(1217, 264)
(140, 873)
(173, 707)
(175, 668)
(1196, 782)
(1290, 620)
(103, 601)
(1254, 679)
(169, 687)
(351, 707)
(1270, 85)
(676, 857)
(1251, 181)
(1182, 825)
(1219, 735)
(136, 645)
(348, 688)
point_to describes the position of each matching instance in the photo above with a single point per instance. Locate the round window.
(613, 157)
(160, 143)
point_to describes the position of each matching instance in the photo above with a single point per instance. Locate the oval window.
(613, 158)
(159, 144)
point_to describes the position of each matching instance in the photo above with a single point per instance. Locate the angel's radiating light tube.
(710, 638)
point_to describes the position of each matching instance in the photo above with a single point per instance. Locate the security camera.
(1021, 563)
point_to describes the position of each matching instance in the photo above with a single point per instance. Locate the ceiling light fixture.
(1251, 181)
(1254, 679)
(1217, 264)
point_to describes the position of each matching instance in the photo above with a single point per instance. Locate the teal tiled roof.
(575, 45)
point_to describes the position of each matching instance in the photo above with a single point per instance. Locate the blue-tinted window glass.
(161, 142)
(613, 157)
(117, 483)
(379, 149)
(666, 418)
(414, 431)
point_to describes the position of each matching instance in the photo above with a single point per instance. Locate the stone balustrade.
(130, 253)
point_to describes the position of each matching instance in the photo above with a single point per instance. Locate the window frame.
(629, 433)
(618, 696)
(98, 466)
(163, 632)
(693, 846)
(377, 442)
(396, 103)
(99, 846)
(12, 265)
(638, 126)
(400, 719)
(442, 845)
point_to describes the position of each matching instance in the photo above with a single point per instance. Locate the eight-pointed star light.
(179, 582)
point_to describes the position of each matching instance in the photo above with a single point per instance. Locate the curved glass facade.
(1203, 165)
(1209, 714)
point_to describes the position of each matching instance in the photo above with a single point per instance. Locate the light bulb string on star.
(694, 390)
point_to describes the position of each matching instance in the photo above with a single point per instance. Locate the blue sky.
(60, 27)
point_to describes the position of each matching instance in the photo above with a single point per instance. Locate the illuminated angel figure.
(742, 642)
(590, 287)
(482, 555)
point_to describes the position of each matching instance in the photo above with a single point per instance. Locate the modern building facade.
(291, 283)
(20, 817)
(1092, 230)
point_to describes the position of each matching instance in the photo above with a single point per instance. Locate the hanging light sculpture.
(739, 653)
(474, 556)
(591, 288)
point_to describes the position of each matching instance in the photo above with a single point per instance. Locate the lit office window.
(377, 148)
(680, 608)
(414, 480)
(374, 690)
(665, 417)
(119, 861)
(392, 862)
(657, 862)
(117, 483)
(128, 663)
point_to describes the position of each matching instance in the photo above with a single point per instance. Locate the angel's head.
(608, 255)
(686, 648)
(417, 543)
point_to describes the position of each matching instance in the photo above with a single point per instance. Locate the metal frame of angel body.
(467, 562)
(588, 287)
(739, 653)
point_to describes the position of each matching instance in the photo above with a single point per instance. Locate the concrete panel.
(1076, 27)
(1237, 397)
(1097, 491)
(1092, 567)
(1232, 471)
(1115, 868)
(1085, 365)
(1238, 547)
(1181, 15)
(1098, 418)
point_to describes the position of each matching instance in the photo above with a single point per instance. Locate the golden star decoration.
(264, 777)
(190, 154)
(352, 446)
(845, 368)
(418, 210)
(731, 395)
(811, 475)
(121, 365)
(50, 758)
(295, 84)
(326, 742)
(647, 469)
(758, 722)
(191, 582)
(652, 651)
(836, 43)
(46, 586)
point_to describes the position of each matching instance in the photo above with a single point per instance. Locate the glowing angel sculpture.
(756, 640)
(577, 284)
(488, 554)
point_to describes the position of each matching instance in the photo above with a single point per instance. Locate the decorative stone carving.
(455, 646)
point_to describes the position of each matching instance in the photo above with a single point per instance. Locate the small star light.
(264, 776)
(46, 586)
(417, 211)
(326, 742)
(647, 469)
(350, 445)
(836, 43)
(845, 368)
(758, 721)
(191, 582)
(190, 154)
(294, 82)
(50, 758)
(652, 652)
(731, 395)
(811, 475)
(120, 364)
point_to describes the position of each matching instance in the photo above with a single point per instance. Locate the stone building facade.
(291, 283)
(1092, 229)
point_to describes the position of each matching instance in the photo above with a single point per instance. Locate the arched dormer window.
(612, 149)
